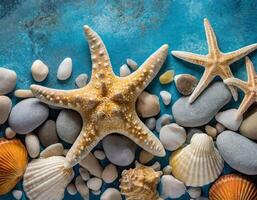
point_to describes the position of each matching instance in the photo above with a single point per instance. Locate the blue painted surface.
(52, 30)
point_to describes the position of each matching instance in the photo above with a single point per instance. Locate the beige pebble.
(7, 80)
(84, 174)
(5, 108)
(156, 166)
(211, 131)
(81, 80)
(110, 173)
(71, 189)
(132, 64)
(185, 83)
(167, 170)
(21, 93)
(167, 77)
(65, 151)
(52, 150)
(32, 145)
(248, 127)
(17, 194)
(96, 192)
(145, 157)
(194, 192)
(9, 133)
(82, 188)
(99, 154)
(94, 184)
(64, 69)
(111, 194)
(39, 71)
(220, 128)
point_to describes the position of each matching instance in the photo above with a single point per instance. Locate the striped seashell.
(233, 187)
(13, 162)
(199, 163)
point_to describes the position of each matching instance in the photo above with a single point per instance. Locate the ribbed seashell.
(13, 162)
(233, 186)
(46, 178)
(139, 183)
(199, 163)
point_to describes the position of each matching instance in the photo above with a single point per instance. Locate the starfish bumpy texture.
(216, 63)
(107, 103)
(249, 87)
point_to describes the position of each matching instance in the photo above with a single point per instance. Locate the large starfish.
(249, 87)
(107, 103)
(216, 63)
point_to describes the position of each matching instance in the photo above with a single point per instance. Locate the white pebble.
(94, 184)
(39, 70)
(17, 194)
(150, 123)
(82, 188)
(9, 133)
(64, 69)
(100, 155)
(7, 80)
(23, 93)
(81, 80)
(211, 131)
(96, 192)
(84, 174)
(172, 136)
(111, 194)
(167, 170)
(110, 173)
(132, 64)
(166, 97)
(71, 189)
(145, 157)
(194, 192)
(124, 70)
(52, 150)
(5, 108)
(32, 145)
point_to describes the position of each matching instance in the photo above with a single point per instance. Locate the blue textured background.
(52, 30)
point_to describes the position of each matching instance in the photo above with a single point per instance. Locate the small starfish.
(216, 63)
(107, 103)
(249, 87)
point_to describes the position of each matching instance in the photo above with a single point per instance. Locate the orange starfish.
(216, 63)
(249, 87)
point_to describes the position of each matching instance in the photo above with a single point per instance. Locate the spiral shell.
(199, 163)
(140, 183)
(13, 162)
(234, 187)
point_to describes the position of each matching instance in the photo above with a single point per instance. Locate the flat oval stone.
(249, 126)
(81, 80)
(110, 173)
(7, 80)
(32, 145)
(185, 83)
(111, 194)
(64, 69)
(27, 115)
(5, 108)
(47, 133)
(238, 151)
(204, 108)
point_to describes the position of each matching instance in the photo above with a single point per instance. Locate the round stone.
(9, 133)
(47, 133)
(7, 80)
(167, 170)
(110, 173)
(64, 69)
(94, 184)
(71, 189)
(5, 108)
(84, 174)
(68, 125)
(166, 97)
(39, 71)
(132, 64)
(27, 115)
(124, 70)
(185, 83)
(163, 120)
(194, 192)
(32, 145)
(100, 155)
(150, 123)
(17, 194)
(145, 157)
(111, 194)
(211, 131)
(81, 80)
(172, 136)
(119, 149)
(249, 126)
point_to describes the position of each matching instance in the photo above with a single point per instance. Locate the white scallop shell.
(199, 163)
(46, 178)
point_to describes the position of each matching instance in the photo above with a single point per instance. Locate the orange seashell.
(234, 187)
(13, 162)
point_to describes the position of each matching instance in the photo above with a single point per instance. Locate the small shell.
(198, 163)
(13, 162)
(139, 183)
(234, 187)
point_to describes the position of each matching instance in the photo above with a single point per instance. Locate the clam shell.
(234, 187)
(46, 178)
(13, 162)
(199, 163)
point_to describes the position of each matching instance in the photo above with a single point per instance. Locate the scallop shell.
(234, 187)
(139, 183)
(199, 163)
(13, 162)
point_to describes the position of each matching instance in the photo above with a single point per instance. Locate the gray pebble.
(124, 70)
(81, 80)
(162, 121)
(191, 132)
(5, 108)
(150, 123)
(27, 115)
(47, 133)
(7, 80)
(204, 108)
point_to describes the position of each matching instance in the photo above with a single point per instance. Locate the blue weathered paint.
(51, 30)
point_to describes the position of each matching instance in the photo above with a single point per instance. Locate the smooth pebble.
(27, 115)
(194, 192)
(163, 120)
(84, 174)
(248, 127)
(21, 93)
(191, 132)
(185, 83)
(71, 189)
(82, 188)
(147, 105)
(150, 123)
(81, 80)
(111, 194)
(99, 154)
(124, 70)
(32, 145)
(211, 131)
(167, 170)
(7, 80)
(110, 173)
(132, 64)
(52, 150)
(17, 194)
(172, 136)
(220, 128)
(68, 125)
(167, 77)
(145, 157)
(9, 133)
(39, 70)
(47, 133)
(166, 97)
(65, 69)
(94, 183)
(228, 119)
(119, 149)
(5, 108)
(156, 166)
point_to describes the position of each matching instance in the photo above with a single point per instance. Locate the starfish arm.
(250, 70)
(211, 38)
(190, 57)
(142, 136)
(238, 54)
(138, 80)
(101, 64)
(237, 83)
(245, 104)
(207, 77)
